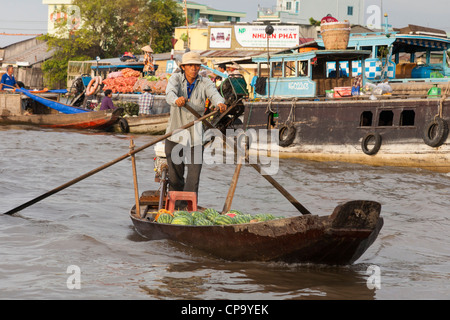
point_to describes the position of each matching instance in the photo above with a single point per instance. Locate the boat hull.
(147, 124)
(335, 130)
(338, 239)
(97, 120)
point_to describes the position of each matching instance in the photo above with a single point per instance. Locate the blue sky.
(30, 16)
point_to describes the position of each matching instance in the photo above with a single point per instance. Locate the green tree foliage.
(314, 22)
(108, 29)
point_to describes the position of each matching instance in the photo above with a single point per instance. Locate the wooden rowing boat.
(50, 113)
(338, 239)
(149, 124)
(96, 120)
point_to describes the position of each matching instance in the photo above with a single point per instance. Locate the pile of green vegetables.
(210, 217)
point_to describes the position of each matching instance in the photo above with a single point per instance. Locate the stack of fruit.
(210, 217)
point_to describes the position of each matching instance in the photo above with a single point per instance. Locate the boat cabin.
(307, 74)
(411, 54)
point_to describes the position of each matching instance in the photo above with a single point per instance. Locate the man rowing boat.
(185, 150)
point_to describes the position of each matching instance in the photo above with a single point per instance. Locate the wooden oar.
(92, 172)
(232, 189)
(135, 180)
(269, 178)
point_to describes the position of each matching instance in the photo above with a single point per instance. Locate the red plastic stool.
(173, 196)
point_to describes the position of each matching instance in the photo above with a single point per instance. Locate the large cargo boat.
(324, 115)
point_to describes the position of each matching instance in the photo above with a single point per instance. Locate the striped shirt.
(146, 103)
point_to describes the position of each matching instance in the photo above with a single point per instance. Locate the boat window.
(367, 48)
(331, 69)
(366, 119)
(386, 118)
(302, 68)
(407, 118)
(289, 69)
(333, 72)
(277, 69)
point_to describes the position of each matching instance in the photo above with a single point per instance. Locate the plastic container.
(434, 92)
(342, 92)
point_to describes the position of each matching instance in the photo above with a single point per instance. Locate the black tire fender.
(287, 135)
(123, 124)
(435, 132)
(376, 138)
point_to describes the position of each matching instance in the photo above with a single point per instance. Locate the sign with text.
(256, 37)
(220, 38)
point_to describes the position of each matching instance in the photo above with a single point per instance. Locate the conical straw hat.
(147, 48)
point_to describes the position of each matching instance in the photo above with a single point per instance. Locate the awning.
(425, 43)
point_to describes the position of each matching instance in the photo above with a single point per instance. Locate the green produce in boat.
(165, 218)
(240, 219)
(181, 213)
(182, 220)
(203, 222)
(223, 220)
(211, 214)
(198, 214)
(264, 217)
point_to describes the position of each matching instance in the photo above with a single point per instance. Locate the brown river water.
(80, 243)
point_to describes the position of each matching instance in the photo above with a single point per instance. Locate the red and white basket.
(335, 35)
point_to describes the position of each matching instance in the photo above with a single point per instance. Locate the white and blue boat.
(313, 97)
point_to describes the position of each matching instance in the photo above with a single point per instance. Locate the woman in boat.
(149, 68)
(185, 149)
(107, 102)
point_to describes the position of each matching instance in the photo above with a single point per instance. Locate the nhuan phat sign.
(256, 37)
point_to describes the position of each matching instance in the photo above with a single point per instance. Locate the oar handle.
(92, 172)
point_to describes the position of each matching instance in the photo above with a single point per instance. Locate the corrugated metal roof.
(7, 40)
(37, 54)
(230, 53)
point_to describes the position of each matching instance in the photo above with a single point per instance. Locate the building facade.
(300, 11)
(196, 12)
(25, 53)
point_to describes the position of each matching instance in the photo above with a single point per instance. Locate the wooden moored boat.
(319, 118)
(338, 239)
(12, 112)
(96, 120)
(148, 124)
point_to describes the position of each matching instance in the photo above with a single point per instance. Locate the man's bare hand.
(222, 107)
(180, 102)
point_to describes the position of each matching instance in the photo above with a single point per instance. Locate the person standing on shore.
(188, 87)
(8, 81)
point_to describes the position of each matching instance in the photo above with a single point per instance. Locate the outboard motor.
(234, 90)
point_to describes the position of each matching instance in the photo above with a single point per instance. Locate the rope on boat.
(441, 102)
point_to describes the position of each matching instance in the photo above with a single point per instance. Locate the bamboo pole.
(136, 189)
